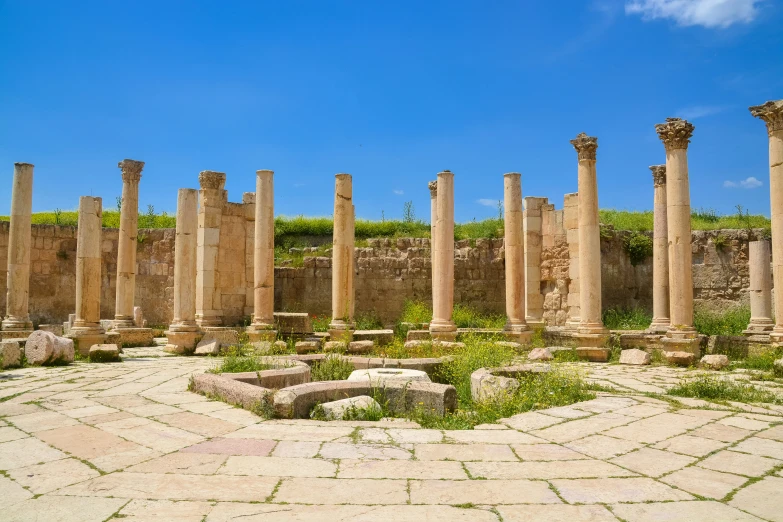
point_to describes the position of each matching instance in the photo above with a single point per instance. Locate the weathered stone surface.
(634, 357)
(10, 354)
(333, 346)
(293, 323)
(208, 347)
(679, 358)
(262, 347)
(715, 361)
(491, 383)
(540, 354)
(379, 376)
(308, 346)
(56, 329)
(777, 367)
(45, 347)
(417, 335)
(360, 346)
(336, 410)
(233, 392)
(104, 353)
(379, 337)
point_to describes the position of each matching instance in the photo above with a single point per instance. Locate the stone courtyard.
(93, 442)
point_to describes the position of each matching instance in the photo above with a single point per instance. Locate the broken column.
(533, 230)
(442, 327)
(516, 328)
(183, 333)
(772, 114)
(212, 197)
(262, 328)
(760, 289)
(17, 322)
(591, 335)
(86, 330)
(341, 328)
(675, 134)
(660, 321)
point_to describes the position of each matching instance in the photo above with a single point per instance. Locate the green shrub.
(332, 368)
(729, 322)
(368, 321)
(240, 359)
(638, 246)
(466, 317)
(709, 387)
(626, 318)
(416, 312)
(761, 361)
(320, 323)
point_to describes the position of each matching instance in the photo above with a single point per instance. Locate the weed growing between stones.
(237, 359)
(467, 317)
(727, 322)
(763, 361)
(332, 368)
(709, 387)
(320, 323)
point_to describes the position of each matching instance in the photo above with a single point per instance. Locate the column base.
(122, 322)
(181, 342)
(209, 321)
(677, 340)
(257, 333)
(776, 337)
(659, 326)
(536, 324)
(759, 327)
(340, 335)
(522, 338)
(14, 325)
(134, 337)
(83, 340)
(591, 344)
(15, 334)
(443, 330)
(572, 324)
(448, 337)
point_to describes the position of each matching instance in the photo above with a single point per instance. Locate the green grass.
(467, 317)
(321, 323)
(626, 319)
(761, 361)
(239, 359)
(701, 219)
(728, 322)
(709, 387)
(416, 312)
(332, 368)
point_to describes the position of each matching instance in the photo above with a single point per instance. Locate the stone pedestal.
(130, 337)
(515, 258)
(660, 322)
(590, 335)
(183, 333)
(86, 330)
(212, 198)
(262, 328)
(17, 320)
(675, 134)
(772, 114)
(127, 243)
(533, 229)
(442, 327)
(760, 289)
(341, 327)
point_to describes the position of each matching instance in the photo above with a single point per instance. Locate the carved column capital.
(659, 175)
(675, 133)
(586, 146)
(433, 186)
(772, 114)
(131, 170)
(209, 179)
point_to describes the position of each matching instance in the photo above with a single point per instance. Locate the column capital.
(675, 133)
(131, 170)
(209, 179)
(586, 146)
(772, 114)
(659, 175)
(433, 186)
(264, 172)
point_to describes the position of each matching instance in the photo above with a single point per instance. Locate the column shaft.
(264, 258)
(19, 240)
(660, 320)
(126, 247)
(185, 260)
(514, 253)
(442, 325)
(342, 325)
(760, 289)
(533, 231)
(212, 197)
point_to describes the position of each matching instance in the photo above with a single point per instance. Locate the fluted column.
(86, 330)
(515, 258)
(590, 334)
(212, 197)
(183, 331)
(263, 324)
(19, 239)
(126, 246)
(675, 134)
(442, 326)
(660, 322)
(772, 114)
(760, 289)
(341, 328)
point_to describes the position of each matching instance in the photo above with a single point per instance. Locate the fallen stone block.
(337, 410)
(360, 346)
(334, 346)
(10, 354)
(635, 357)
(679, 358)
(715, 361)
(104, 353)
(380, 376)
(208, 347)
(540, 354)
(263, 347)
(45, 347)
(308, 346)
(237, 393)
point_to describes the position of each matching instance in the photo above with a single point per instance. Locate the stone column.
(126, 246)
(660, 322)
(433, 186)
(516, 327)
(342, 326)
(681, 336)
(183, 331)
(571, 226)
(591, 336)
(262, 328)
(86, 330)
(17, 322)
(442, 327)
(760, 289)
(772, 114)
(212, 197)
(533, 229)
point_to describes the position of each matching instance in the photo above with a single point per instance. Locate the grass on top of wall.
(701, 219)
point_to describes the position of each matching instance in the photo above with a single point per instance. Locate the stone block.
(418, 335)
(379, 376)
(635, 357)
(263, 347)
(104, 353)
(494, 383)
(288, 323)
(233, 392)
(679, 358)
(45, 347)
(593, 354)
(714, 361)
(540, 354)
(379, 337)
(208, 347)
(360, 346)
(335, 346)
(10, 354)
(308, 346)
(336, 410)
(777, 367)
(130, 337)
(226, 336)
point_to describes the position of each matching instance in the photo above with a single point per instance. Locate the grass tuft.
(332, 368)
(714, 388)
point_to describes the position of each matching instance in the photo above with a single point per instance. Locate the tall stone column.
(591, 336)
(516, 328)
(126, 246)
(183, 331)
(433, 186)
(212, 197)
(341, 328)
(760, 289)
(442, 327)
(17, 322)
(263, 324)
(533, 233)
(772, 114)
(675, 135)
(660, 322)
(86, 330)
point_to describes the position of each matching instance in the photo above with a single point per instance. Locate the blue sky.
(391, 92)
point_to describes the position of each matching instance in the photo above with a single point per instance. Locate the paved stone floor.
(92, 442)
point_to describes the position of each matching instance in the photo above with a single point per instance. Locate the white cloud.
(398, 192)
(698, 111)
(707, 13)
(748, 183)
(487, 202)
